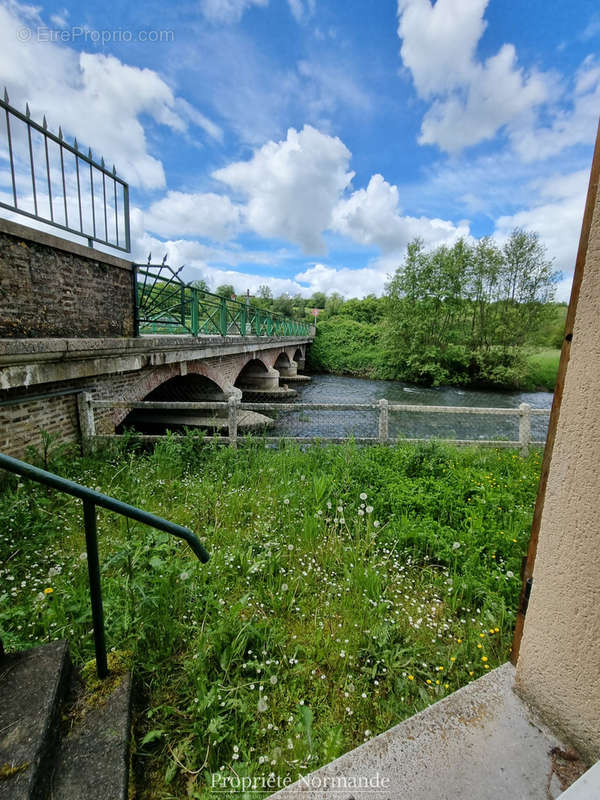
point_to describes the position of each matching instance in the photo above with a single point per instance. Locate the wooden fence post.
(524, 428)
(87, 425)
(384, 432)
(233, 403)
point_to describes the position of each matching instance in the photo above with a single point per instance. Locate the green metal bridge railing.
(167, 305)
(91, 499)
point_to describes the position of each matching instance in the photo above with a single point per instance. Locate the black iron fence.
(45, 178)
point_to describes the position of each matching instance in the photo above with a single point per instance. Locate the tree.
(201, 284)
(225, 290)
(283, 305)
(264, 292)
(318, 300)
(462, 314)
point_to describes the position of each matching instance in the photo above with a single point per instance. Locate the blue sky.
(304, 143)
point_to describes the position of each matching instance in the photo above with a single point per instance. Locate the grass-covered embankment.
(344, 346)
(348, 588)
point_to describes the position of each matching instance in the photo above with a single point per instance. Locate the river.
(340, 389)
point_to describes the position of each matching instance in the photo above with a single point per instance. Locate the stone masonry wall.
(50, 287)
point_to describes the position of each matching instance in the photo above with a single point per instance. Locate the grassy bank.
(344, 346)
(348, 588)
(542, 369)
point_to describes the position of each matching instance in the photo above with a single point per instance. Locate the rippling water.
(364, 422)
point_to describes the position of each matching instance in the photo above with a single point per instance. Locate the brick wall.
(50, 287)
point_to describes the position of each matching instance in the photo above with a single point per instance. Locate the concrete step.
(32, 687)
(92, 762)
(479, 743)
(61, 739)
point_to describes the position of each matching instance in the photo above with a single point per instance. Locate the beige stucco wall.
(559, 661)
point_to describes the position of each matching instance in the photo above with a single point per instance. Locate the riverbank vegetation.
(348, 588)
(467, 315)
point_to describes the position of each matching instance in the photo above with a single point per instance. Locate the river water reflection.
(364, 422)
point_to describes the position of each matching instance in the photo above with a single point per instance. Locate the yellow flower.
(480, 646)
(459, 640)
(492, 630)
(471, 672)
(446, 686)
(437, 683)
(428, 680)
(452, 658)
(482, 635)
(484, 658)
(411, 677)
(48, 590)
(497, 630)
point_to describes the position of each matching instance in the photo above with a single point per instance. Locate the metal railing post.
(384, 433)
(232, 421)
(93, 562)
(223, 317)
(524, 428)
(195, 325)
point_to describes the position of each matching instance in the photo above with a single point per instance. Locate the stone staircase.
(58, 740)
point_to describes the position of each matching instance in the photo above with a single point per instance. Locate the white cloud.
(96, 97)
(372, 216)
(182, 214)
(302, 10)
(292, 186)
(228, 11)
(557, 221)
(348, 282)
(573, 122)
(472, 99)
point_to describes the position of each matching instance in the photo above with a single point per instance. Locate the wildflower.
(83, 556)
(273, 680)
(183, 576)
(284, 587)
(452, 658)
(377, 523)
(510, 573)
(484, 658)
(262, 704)
(446, 686)
(48, 590)
(369, 509)
(286, 501)
(428, 680)
(411, 677)
(471, 672)
(456, 545)
(363, 495)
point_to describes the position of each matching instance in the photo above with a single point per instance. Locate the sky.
(303, 143)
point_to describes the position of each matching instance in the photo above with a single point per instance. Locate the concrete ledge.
(481, 742)
(35, 236)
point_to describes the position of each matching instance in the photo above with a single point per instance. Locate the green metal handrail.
(179, 307)
(91, 499)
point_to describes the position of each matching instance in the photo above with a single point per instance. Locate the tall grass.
(348, 588)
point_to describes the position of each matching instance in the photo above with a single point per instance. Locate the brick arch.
(298, 354)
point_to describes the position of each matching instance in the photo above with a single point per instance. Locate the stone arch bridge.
(69, 327)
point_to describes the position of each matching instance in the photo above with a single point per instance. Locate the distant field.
(543, 368)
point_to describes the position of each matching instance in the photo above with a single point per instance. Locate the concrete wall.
(558, 669)
(50, 287)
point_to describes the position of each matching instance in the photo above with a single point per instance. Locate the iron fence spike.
(44, 123)
(90, 154)
(102, 162)
(114, 171)
(5, 95)
(75, 145)
(60, 133)
(27, 111)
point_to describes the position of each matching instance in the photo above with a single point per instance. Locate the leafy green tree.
(264, 292)
(318, 300)
(225, 290)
